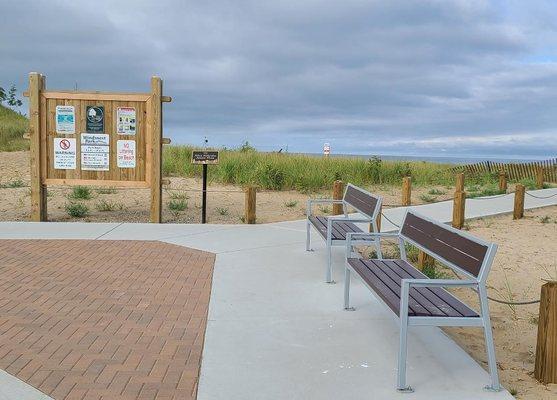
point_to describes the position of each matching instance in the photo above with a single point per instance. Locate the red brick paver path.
(83, 319)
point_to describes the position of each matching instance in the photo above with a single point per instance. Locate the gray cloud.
(419, 77)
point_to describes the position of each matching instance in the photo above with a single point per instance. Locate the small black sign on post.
(204, 157)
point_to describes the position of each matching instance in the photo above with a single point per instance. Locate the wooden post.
(459, 203)
(502, 181)
(338, 191)
(459, 182)
(539, 177)
(518, 212)
(155, 123)
(38, 189)
(406, 191)
(425, 260)
(251, 201)
(545, 369)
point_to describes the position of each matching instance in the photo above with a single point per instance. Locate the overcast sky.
(435, 77)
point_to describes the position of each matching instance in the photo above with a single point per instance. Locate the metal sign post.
(204, 157)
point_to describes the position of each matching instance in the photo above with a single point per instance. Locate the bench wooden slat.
(384, 277)
(461, 251)
(428, 300)
(360, 200)
(387, 293)
(441, 293)
(340, 229)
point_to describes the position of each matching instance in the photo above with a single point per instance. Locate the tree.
(2, 94)
(12, 99)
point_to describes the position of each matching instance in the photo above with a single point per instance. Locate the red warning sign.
(65, 144)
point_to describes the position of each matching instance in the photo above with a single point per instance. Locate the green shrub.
(16, 183)
(77, 210)
(222, 211)
(104, 205)
(529, 183)
(291, 203)
(427, 198)
(177, 205)
(435, 192)
(81, 192)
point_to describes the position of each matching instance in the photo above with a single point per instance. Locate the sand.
(527, 251)
(526, 256)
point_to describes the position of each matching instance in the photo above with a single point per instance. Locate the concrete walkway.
(276, 331)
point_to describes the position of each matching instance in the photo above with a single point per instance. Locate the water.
(457, 160)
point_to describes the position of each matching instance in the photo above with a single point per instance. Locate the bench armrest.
(439, 283)
(311, 202)
(355, 238)
(343, 218)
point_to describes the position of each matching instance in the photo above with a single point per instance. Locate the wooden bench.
(418, 300)
(334, 229)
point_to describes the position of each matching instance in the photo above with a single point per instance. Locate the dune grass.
(276, 171)
(12, 127)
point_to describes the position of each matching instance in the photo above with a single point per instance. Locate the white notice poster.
(126, 153)
(125, 120)
(64, 153)
(65, 119)
(95, 152)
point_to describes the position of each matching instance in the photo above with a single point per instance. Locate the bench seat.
(384, 277)
(340, 229)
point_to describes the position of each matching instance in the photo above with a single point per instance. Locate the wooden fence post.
(459, 182)
(425, 260)
(338, 191)
(38, 190)
(251, 201)
(502, 181)
(518, 212)
(545, 369)
(156, 149)
(459, 203)
(406, 191)
(539, 177)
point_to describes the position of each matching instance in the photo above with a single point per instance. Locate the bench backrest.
(458, 250)
(362, 200)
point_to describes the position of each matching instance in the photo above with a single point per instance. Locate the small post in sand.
(545, 369)
(459, 202)
(406, 191)
(502, 181)
(539, 177)
(518, 212)
(338, 190)
(249, 217)
(425, 260)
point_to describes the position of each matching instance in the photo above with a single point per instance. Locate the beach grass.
(279, 171)
(12, 127)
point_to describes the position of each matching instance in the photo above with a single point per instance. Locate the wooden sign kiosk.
(103, 139)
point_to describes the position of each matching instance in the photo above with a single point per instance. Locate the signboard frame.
(148, 137)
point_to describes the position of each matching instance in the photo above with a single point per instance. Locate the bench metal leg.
(403, 344)
(329, 271)
(329, 274)
(308, 235)
(378, 248)
(490, 348)
(347, 290)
